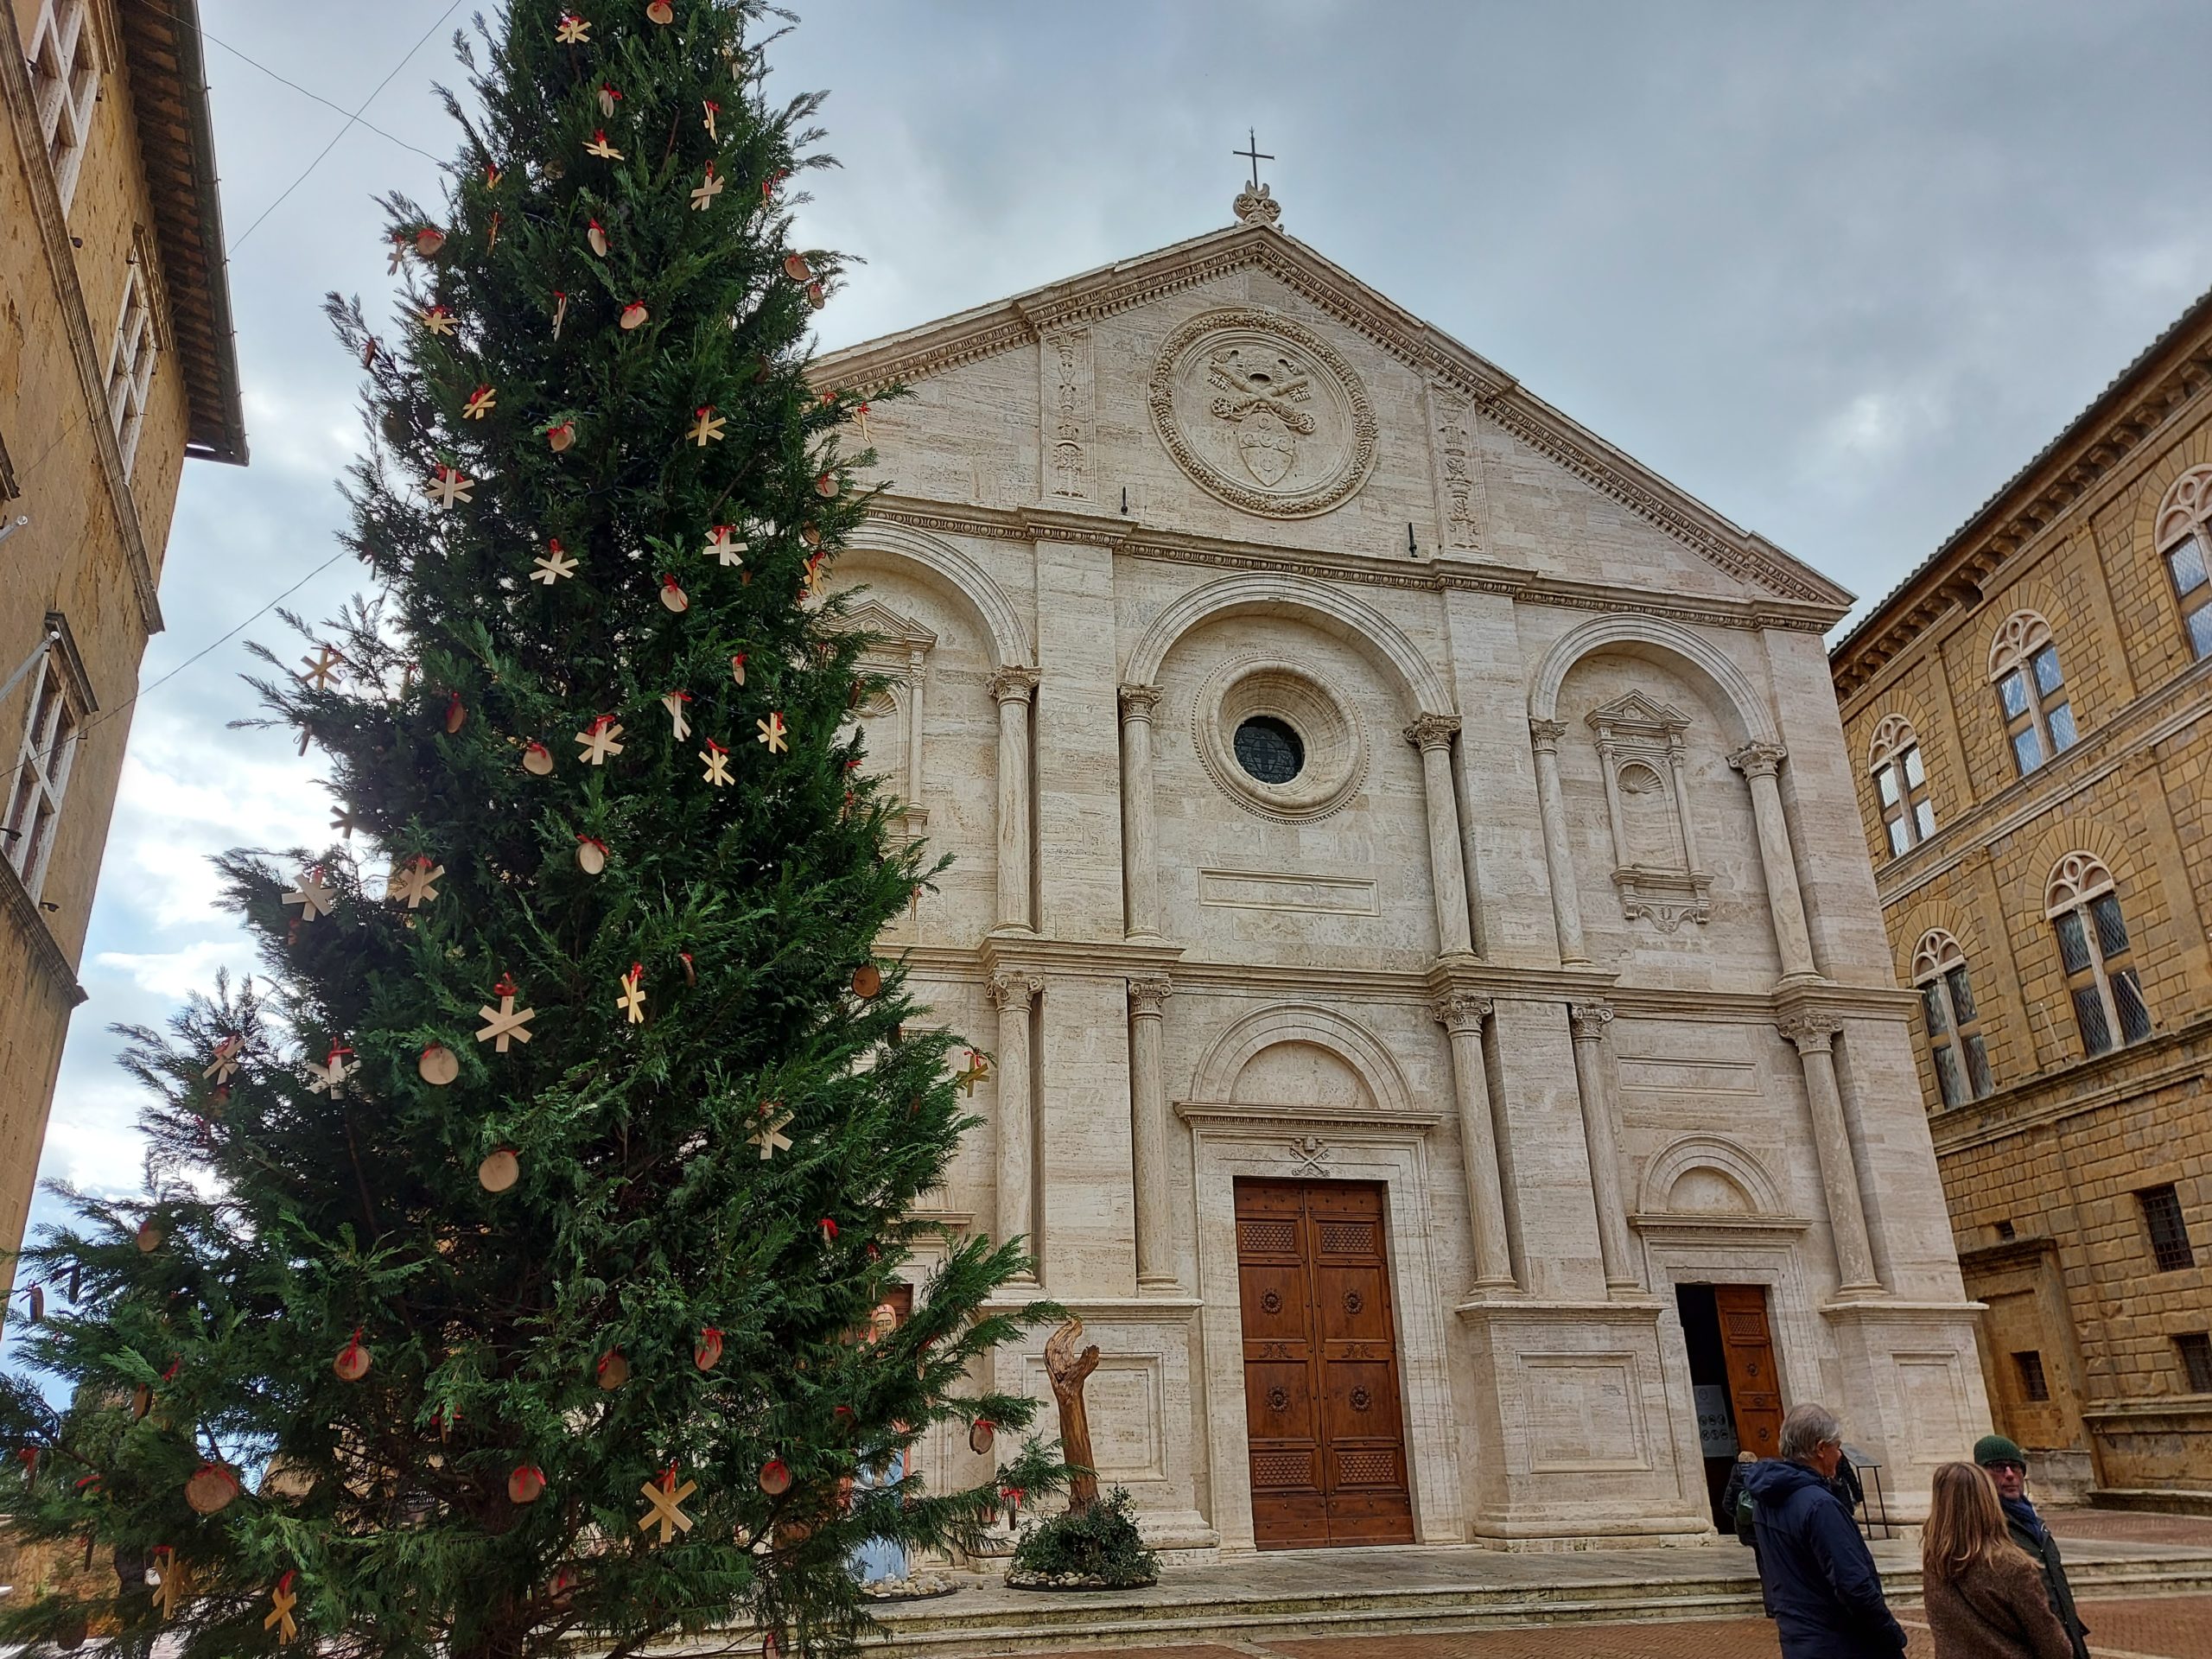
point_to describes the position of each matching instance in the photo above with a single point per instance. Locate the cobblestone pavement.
(2171, 1628)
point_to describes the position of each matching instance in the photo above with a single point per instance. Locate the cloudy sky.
(1838, 270)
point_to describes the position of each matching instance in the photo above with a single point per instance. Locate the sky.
(1839, 271)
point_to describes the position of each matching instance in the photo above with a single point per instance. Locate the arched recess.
(1717, 1153)
(1267, 592)
(1739, 702)
(959, 575)
(1348, 1041)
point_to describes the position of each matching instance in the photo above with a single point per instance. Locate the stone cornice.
(1020, 321)
(2165, 1060)
(2012, 1253)
(1440, 576)
(1027, 953)
(1670, 1228)
(1340, 1121)
(2074, 474)
(84, 350)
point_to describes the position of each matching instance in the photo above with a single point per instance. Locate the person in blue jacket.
(1821, 1589)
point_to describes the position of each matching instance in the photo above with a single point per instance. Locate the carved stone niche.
(898, 649)
(1655, 864)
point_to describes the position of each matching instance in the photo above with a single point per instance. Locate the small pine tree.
(567, 1150)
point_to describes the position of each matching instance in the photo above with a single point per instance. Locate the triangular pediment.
(891, 634)
(1022, 321)
(1633, 711)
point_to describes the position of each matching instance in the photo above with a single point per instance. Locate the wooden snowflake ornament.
(598, 740)
(707, 426)
(413, 882)
(329, 1078)
(632, 999)
(553, 564)
(674, 703)
(770, 1136)
(437, 319)
(709, 187)
(225, 1064)
(172, 1577)
(322, 671)
(724, 547)
(600, 147)
(448, 484)
(772, 732)
(482, 402)
(312, 896)
(573, 31)
(503, 1023)
(282, 1600)
(662, 1496)
(717, 762)
(979, 1068)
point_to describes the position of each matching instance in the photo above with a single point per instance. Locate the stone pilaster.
(1559, 851)
(1594, 1074)
(1013, 689)
(1432, 734)
(1155, 1230)
(1140, 863)
(1012, 996)
(1813, 1035)
(1462, 1015)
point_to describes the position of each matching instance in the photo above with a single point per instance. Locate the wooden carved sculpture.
(1067, 1370)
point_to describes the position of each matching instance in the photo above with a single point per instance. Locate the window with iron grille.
(2184, 537)
(2034, 1385)
(2195, 1348)
(65, 85)
(2095, 950)
(1953, 1023)
(41, 775)
(2032, 692)
(2169, 1229)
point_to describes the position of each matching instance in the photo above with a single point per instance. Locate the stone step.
(996, 1624)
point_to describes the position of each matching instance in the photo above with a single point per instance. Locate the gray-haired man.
(1821, 1587)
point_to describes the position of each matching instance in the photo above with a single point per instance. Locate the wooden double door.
(1328, 1445)
(1747, 1349)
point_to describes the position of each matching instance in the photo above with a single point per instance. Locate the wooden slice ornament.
(210, 1489)
(825, 485)
(775, 1477)
(814, 296)
(796, 269)
(983, 1434)
(867, 980)
(672, 596)
(561, 435)
(525, 1484)
(142, 1402)
(811, 534)
(35, 1296)
(709, 1353)
(456, 712)
(439, 1066)
(634, 315)
(591, 855)
(612, 1369)
(352, 1362)
(660, 11)
(499, 1172)
(596, 236)
(428, 240)
(150, 1235)
(537, 759)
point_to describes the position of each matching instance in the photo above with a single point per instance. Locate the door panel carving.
(1320, 1366)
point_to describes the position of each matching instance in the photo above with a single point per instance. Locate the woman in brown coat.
(1983, 1598)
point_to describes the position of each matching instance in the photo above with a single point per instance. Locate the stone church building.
(1409, 884)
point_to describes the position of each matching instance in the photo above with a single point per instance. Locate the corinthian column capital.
(1759, 760)
(1014, 684)
(1433, 731)
(1139, 701)
(1014, 992)
(1813, 1034)
(1546, 733)
(1150, 996)
(1589, 1020)
(1461, 1011)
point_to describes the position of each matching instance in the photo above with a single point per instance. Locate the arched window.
(1939, 973)
(2093, 944)
(2184, 538)
(1901, 784)
(2031, 690)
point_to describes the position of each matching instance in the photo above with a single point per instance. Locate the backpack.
(1747, 1519)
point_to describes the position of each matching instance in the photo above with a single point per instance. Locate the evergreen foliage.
(293, 1219)
(1098, 1547)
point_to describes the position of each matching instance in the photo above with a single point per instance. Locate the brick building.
(2030, 715)
(116, 365)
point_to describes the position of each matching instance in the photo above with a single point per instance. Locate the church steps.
(1047, 1622)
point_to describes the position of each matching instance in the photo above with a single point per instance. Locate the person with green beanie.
(2008, 1469)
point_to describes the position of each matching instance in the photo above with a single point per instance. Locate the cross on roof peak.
(1256, 203)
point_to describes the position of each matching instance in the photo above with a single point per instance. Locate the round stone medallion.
(1264, 412)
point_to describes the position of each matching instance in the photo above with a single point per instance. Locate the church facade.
(1407, 885)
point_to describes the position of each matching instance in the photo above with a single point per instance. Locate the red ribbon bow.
(507, 987)
(667, 580)
(828, 1227)
(715, 746)
(334, 1053)
(602, 722)
(285, 1584)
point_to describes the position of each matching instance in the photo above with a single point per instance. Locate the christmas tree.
(517, 1257)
